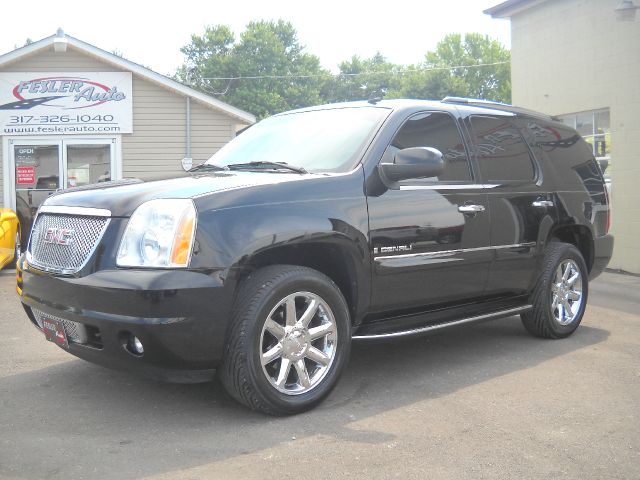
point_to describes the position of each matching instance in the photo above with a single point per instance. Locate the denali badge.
(393, 249)
(59, 236)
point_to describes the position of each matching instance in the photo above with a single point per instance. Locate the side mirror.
(415, 162)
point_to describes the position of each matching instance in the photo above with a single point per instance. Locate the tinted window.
(502, 154)
(570, 156)
(437, 130)
(562, 145)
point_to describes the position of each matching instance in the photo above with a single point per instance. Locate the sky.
(151, 32)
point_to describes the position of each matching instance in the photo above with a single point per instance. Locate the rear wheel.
(288, 342)
(560, 296)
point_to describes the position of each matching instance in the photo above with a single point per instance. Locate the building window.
(595, 128)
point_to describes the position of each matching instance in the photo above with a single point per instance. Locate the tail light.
(608, 201)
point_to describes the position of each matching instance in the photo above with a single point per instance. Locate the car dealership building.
(580, 61)
(72, 114)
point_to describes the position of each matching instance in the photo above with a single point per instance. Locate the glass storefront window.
(595, 128)
(88, 164)
(37, 167)
(602, 121)
(43, 166)
(584, 123)
(37, 175)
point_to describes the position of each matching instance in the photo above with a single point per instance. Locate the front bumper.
(180, 317)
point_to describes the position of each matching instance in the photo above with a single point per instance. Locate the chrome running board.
(438, 326)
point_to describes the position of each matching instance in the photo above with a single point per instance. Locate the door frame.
(8, 162)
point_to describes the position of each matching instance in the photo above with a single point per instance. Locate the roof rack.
(501, 106)
(469, 101)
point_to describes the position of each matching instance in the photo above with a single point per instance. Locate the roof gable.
(124, 64)
(511, 7)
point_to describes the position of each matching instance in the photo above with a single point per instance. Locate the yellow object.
(182, 243)
(9, 230)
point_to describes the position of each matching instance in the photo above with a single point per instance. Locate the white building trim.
(511, 7)
(119, 62)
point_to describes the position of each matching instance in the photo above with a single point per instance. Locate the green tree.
(360, 78)
(266, 70)
(28, 41)
(436, 79)
(289, 77)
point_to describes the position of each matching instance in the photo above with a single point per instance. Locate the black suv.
(316, 227)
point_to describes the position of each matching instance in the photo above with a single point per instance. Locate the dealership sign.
(38, 103)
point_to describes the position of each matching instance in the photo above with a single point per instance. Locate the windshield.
(317, 140)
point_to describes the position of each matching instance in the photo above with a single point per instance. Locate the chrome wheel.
(566, 292)
(298, 343)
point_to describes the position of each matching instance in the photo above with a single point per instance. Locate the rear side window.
(438, 130)
(503, 155)
(569, 155)
(562, 144)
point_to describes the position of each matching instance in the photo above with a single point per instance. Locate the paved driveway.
(483, 401)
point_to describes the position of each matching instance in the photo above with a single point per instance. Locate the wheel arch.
(343, 264)
(577, 235)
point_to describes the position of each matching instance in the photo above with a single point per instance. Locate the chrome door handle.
(542, 203)
(471, 208)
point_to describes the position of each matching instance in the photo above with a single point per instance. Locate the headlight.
(159, 234)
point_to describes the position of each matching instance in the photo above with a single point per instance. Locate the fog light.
(136, 345)
(131, 343)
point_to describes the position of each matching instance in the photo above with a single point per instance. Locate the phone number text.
(44, 119)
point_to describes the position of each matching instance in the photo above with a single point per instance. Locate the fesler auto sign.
(37, 103)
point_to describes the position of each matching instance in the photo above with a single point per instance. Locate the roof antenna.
(377, 95)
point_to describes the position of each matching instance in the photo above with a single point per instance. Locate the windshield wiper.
(207, 167)
(262, 164)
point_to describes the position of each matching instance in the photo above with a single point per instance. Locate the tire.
(262, 345)
(558, 319)
(17, 248)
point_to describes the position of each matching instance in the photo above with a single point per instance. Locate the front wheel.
(288, 342)
(17, 247)
(560, 296)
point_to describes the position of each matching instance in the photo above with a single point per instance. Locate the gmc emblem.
(59, 236)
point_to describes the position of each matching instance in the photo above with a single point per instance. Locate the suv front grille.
(63, 243)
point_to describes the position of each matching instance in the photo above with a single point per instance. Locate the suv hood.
(123, 197)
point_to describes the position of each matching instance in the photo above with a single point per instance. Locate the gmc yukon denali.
(313, 228)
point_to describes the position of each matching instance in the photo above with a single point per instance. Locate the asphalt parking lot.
(482, 401)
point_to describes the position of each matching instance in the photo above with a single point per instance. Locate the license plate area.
(74, 332)
(54, 332)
